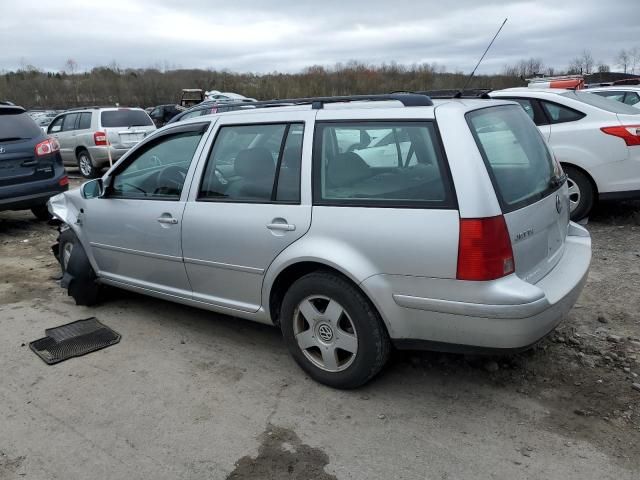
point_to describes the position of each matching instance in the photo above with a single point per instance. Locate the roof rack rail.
(476, 93)
(317, 103)
(91, 107)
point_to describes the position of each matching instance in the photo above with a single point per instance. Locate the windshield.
(602, 102)
(17, 126)
(125, 118)
(515, 153)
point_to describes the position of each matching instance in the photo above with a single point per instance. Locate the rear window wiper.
(12, 139)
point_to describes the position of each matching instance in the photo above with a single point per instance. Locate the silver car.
(352, 224)
(93, 138)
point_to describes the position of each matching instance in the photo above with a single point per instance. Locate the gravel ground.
(189, 394)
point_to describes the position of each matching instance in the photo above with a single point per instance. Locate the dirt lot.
(189, 394)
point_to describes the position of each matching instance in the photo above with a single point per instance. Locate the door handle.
(283, 227)
(169, 220)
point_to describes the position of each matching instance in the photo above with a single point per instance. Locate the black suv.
(31, 168)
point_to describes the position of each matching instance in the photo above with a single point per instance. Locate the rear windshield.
(603, 103)
(17, 126)
(125, 118)
(516, 155)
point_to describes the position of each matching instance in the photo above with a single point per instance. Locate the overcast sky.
(287, 35)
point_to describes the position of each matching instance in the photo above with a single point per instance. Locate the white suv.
(596, 140)
(352, 224)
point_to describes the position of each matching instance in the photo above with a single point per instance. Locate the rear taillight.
(63, 181)
(47, 147)
(484, 249)
(100, 139)
(629, 133)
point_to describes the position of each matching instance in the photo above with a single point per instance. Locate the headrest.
(347, 168)
(254, 163)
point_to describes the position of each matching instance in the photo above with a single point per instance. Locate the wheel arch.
(81, 148)
(585, 173)
(296, 270)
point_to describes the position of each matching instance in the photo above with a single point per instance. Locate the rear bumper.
(505, 314)
(31, 194)
(100, 155)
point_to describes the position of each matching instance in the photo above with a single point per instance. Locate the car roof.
(626, 88)
(11, 109)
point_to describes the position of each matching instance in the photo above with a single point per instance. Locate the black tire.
(373, 344)
(85, 165)
(581, 191)
(78, 275)
(41, 212)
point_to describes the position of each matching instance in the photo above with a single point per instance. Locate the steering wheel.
(171, 177)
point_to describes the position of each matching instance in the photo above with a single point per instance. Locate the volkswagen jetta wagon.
(353, 224)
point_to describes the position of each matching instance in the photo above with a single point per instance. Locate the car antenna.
(459, 94)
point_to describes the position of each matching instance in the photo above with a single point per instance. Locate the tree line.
(111, 85)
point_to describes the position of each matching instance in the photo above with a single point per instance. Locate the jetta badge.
(558, 204)
(2, 150)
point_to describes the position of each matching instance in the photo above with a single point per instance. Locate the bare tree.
(634, 58)
(575, 67)
(587, 61)
(623, 58)
(70, 67)
(603, 67)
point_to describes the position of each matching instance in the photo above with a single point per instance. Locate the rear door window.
(380, 163)
(559, 113)
(517, 158)
(125, 118)
(85, 121)
(254, 164)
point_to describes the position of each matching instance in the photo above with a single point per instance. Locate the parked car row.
(261, 213)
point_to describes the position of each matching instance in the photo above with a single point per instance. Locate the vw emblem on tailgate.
(558, 204)
(2, 150)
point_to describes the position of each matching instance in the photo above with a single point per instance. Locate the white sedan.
(597, 141)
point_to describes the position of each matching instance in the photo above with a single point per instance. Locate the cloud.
(285, 35)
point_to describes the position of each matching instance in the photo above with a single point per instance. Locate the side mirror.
(93, 189)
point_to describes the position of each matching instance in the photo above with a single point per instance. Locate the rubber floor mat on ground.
(73, 340)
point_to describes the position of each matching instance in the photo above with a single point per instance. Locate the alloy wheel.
(574, 194)
(85, 165)
(325, 333)
(66, 254)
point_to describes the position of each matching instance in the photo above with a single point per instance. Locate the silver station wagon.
(353, 224)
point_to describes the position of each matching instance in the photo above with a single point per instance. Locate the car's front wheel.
(87, 170)
(333, 331)
(78, 275)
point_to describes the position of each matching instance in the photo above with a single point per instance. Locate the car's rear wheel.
(78, 275)
(41, 212)
(581, 193)
(87, 170)
(333, 331)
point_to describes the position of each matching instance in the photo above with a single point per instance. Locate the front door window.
(159, 170)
